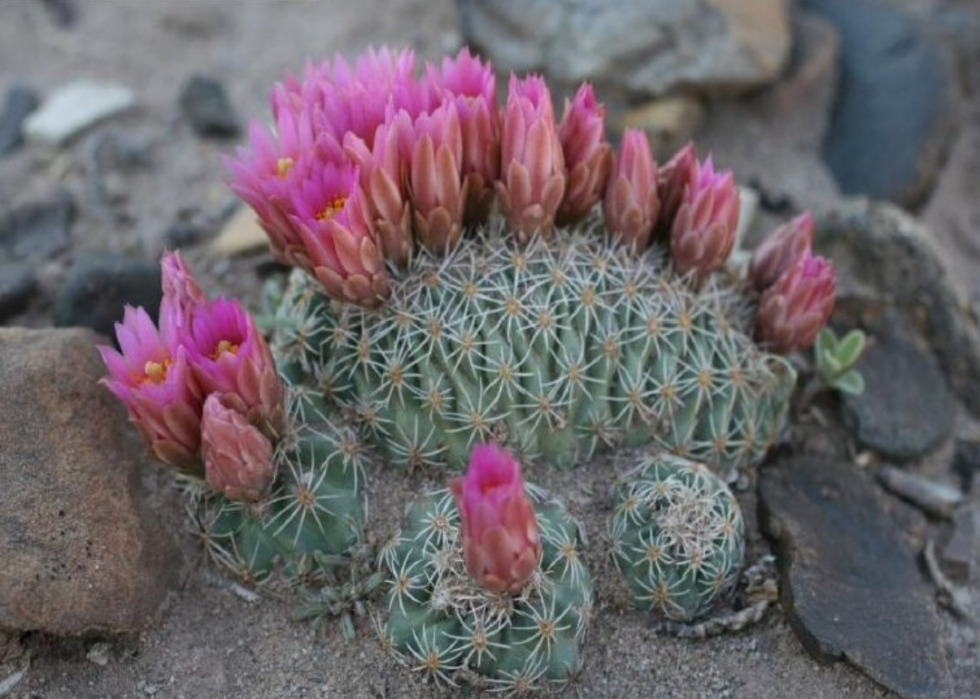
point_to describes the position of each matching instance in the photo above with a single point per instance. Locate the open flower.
(237, 457)
(471, 87)
(587, 154)
(780, 251)
(499, 530)
(229, 356)
(333, 220)
(703, 232)
(532, 167)
(794, 309)
(630, 205)
(436, 186)
(152, 378)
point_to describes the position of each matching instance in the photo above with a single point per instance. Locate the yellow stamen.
(224, 346)
(155, 372)
(283, 166)
(334, 205)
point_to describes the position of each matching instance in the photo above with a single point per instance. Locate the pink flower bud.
(436, 180)
(499, 531)
(333, 219)
(532, 167)
(673, 178)
(471, 87)
(237, 457)
(152, 378)
(794, 309)
(630, 205)
(180, 287)
(780, 251)
(703, 233)
(587, 154)
(229, 356)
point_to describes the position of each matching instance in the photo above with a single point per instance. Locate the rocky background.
(113, 116)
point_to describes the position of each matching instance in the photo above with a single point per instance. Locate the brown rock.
(669, 122)
(80, 552)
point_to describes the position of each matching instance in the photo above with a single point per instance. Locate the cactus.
(307, 533)
(557, 349)
(445, 624)
(678, 536)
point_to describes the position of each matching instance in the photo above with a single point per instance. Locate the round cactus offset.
(678, 536)
(446, 624)
(307, 529)
(558, 349)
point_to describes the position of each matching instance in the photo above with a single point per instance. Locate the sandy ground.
(212, 642)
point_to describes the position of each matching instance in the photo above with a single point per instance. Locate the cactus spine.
(678, 536)
(444, 624)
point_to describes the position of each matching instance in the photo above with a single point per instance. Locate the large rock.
(904, 418)
(849, 581)
(641, 48)
(896, 109)
(890, 274)
(80, 552)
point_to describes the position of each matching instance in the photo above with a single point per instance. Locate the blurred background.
(115, 114)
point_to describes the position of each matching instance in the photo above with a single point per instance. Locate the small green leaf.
(852, 382)
(849, 349)
(829, 365)
(826, 341)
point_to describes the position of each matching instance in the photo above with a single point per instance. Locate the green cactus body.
(443, 623)
(557, 350)
(678, 536)
(312, 520)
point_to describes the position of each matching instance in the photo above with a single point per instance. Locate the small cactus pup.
(275, 485)
(485, 583)
(678, 536)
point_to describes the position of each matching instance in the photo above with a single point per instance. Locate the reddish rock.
(80, 551)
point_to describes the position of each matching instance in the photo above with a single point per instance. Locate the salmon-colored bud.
(499, 531)
(794, 309)
(588, 156)
(780, 251)
(532, 166)
(703, 233)
(631, 203)
(237, 457)
(673, 178)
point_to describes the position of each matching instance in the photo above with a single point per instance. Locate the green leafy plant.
(835, 358)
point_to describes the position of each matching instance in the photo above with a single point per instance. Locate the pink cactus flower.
(180, 287)
(532, 166)
(499, 531)
(794, 309)
(384, 179)
(436, 184)
(333, 220)
(703, 233)
(238, 460)
(631, 205)
(673, 179)
(152, 378)
(230, 356)
(470, 85)
(587, 154)
(780, 251)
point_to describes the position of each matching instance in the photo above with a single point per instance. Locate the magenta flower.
(229, 356)
(470, 85)
(333, 220)
(237, 457)
(630, 205)
(499, 531)
(587, 154)
(532, 167)
(384, 178)
(152, 378)
(780, 251)
(794, 309)
(673, 179)
(703, 232)
(436, 184)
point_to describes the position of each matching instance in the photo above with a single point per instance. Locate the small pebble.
(205, 104)
(75, 107)
(939, 499)
(21, 101)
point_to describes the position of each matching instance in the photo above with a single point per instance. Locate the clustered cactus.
(470, 277)
(678, 536)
